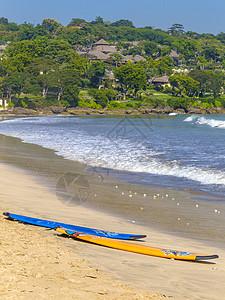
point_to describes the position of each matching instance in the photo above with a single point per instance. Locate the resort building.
(160, 81)
(101, 51)
(3, 104)
(104, 46)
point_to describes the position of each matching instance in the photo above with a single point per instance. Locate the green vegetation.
(40, 66)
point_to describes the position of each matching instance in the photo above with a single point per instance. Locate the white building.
(3, 103)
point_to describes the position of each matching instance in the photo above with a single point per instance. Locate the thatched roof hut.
(160, 80)
(104, 46)
(99, 55)
(101, 42)
(138, 58)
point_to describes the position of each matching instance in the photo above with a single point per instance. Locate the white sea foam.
(211, 122)
(191, 118)
(173, 114)
(205, 121)
(102, 151)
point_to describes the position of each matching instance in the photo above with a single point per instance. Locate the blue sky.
(196, 15)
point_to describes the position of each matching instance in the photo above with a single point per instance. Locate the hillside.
(102, 65)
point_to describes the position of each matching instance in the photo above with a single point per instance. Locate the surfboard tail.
(205, 257)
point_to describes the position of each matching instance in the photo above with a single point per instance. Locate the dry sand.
(35, 264)
(39, 264)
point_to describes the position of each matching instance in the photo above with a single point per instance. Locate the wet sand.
(176, 212)
(23, 192)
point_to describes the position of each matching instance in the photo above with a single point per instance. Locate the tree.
(185, 84)
(212, 51)
(70, 94)
(163, 66)
(148, 68)
(77, 22)
(125, 23)
(30, 48)
(130, 76)
(193, 35)
(12, 26)
(202, 77)
(176, 29)
(96, 70)
(14, 84)
(97, 21)
(134, 51)
(16, 63)
(215, 83)
(116, 58)
(26, 32)
(102, 97)
(50, 25)
(43, 70)
(189, 48)
(99, 96)
(202, 62)
(74, 35)
(208, 81)
(4, 21)
(68, 80)
(151, 48)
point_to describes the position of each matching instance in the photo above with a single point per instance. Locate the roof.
(112, 49)
(99, 55)
(101, 42)
(163, 79)
(139, 58)
(127, 57)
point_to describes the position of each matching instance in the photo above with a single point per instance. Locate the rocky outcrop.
(58, 109)
(195, 110)
(79, 111)
(220, 110)
(147, 110)
(20, 111)
(203, 110)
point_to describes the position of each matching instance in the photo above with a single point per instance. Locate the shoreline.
(80, 111)
(186, 214)
(141, 272)
(36, 198)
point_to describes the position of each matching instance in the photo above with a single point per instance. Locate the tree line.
(42, 60)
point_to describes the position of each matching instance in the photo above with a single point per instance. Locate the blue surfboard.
(92, 231)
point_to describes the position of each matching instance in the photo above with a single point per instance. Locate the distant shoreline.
(146, 110)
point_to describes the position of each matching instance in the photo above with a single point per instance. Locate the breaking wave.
(77, 143)
(214, 123)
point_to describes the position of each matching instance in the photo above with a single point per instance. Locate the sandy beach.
(37, 264)
(42, 264)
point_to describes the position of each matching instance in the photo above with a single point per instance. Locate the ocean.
(174, 151)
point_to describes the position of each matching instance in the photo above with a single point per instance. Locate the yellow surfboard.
(134, 247)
